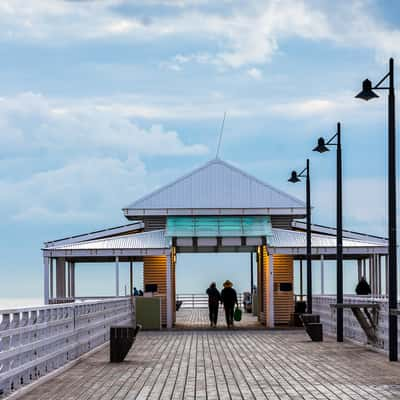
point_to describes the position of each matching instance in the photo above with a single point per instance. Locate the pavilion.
(215, 208)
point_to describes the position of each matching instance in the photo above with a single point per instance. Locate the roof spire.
(220, 136)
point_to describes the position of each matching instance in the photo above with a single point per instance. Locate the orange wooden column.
(155, 272)
(283, 299)
(275, 277)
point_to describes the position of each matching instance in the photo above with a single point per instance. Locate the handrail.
(198, 300)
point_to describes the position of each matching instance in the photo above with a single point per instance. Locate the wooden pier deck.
(228, 364)
(197, 318)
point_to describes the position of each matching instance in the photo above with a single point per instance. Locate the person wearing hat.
(214, 298)
(229, 299)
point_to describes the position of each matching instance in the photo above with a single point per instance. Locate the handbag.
(237, 315)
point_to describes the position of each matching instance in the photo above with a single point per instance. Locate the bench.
(121, 341)
(367, 320)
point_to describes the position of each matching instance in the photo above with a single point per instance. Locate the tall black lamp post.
(322, 148)
(294, 178)
(367, 93)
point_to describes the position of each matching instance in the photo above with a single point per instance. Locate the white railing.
(351, 327)
(198, 300)
(37, 340)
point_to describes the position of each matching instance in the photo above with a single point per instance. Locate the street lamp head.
(294, 177)
(366, 93)
(321, 147)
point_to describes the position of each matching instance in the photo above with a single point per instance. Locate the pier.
(222, 364)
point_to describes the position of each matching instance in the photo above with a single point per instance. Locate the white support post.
(117, 276)
(68, 279)
(51, 277)
(364, 268)
(73, 279)
(60, 278)
(359, 269)
(270, 316)
(322, 274)
(386, 275)
(371, 273)
(169, 292)
(46, 279)
(379, 264)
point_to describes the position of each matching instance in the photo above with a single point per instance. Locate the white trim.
(106, 252)
(271, 316)
(141, 212)
(329, 250)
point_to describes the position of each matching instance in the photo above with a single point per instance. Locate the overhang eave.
(129, 213)
(356, 251)
(100, 253)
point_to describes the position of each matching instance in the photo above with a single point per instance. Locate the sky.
(103, 101)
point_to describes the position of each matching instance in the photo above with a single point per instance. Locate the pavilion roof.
(216, 188)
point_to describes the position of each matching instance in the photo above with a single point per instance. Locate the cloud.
(70, 161)
(254, 73)
(239, 34)
(31, 122)
(81, 190)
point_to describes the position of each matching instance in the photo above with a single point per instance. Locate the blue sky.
(103, 101)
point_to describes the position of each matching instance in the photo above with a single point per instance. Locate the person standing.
(363, 287)
(229, 299)
(214, 298)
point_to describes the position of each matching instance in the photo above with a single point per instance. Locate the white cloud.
(242, 34)
(70, 161)
(254, 73)
(81, 190)
(31, 122)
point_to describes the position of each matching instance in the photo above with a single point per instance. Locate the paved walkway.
(224, 364)
(197, 318)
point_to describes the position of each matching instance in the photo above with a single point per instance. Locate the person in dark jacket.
(363, 287)
(229, 299)
(214, 298)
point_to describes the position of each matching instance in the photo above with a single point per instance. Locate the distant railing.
(198, 300)
(299, 297)
(37, 340)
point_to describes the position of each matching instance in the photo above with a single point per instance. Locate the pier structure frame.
(215, 209)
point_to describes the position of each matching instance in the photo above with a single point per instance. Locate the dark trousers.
(213, 312)
(229, 313)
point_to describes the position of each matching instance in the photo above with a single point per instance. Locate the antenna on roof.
(220, 135)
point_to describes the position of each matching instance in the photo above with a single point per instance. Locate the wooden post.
(270, 316)
(46, 279)
(117, 276)
(169, 293)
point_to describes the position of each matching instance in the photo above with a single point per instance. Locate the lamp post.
(294, 178)
(322, 147)
(367, 93)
